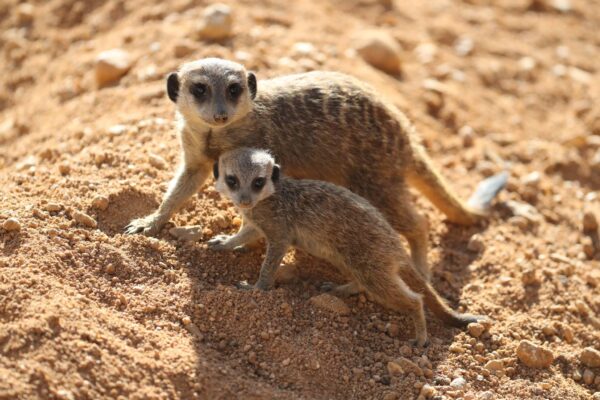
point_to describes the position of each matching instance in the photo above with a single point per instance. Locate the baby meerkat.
(329, 222)
(320, 125)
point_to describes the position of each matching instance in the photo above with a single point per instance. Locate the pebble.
(534, 356)
(495, 366)
(53, 207)
(216, 23)
(533, 179)
(25, 13)
(184, 48)
(330, 303)
(525, 210)
(394, 369)
(476, 244)
(475, 329)
(588, 376)
(408, 366)
(111, 65)
(157, 161)
(381, 50)
(84, 219)
(11, 225)
(456, 348)
(458, 383)
(590, 357)
(487, 395)
(64, 169)
(427, 391)
(187, 233)
(590, 223)
(100, 202)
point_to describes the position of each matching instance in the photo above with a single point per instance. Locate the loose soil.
(88, 313)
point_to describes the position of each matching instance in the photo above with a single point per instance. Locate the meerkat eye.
(231, 181)
(258, 183)
(198, 90)
(235, 89)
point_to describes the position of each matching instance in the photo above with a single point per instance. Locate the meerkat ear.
(275, 173)
(252, 84)
(173, 86)
(216, 170)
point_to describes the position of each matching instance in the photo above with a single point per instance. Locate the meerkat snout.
(246, 177)
(212, 92)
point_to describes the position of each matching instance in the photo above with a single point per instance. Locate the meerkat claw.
(244, 285)
(327, 286)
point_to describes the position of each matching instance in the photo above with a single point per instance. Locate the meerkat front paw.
(221, 242)
(148, 225)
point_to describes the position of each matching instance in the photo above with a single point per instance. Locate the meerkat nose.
(221, 118)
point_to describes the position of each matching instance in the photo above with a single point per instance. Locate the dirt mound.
(87, 312)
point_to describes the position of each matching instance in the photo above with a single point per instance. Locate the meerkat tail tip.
(487, 190)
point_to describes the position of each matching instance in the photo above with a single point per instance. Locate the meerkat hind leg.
(391, 292)
(400, 212)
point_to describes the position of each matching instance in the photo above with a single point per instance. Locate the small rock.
(186, 320)
(330, 303)
(117, 130)
(408, 366)
(495, 366)
(53, 207)
(458, 383)
(303, 48)
(590, 357)
(534, 356)
(456, 348)
(64, 169)
(475, 329)
(590, 223)
(381, 50)
(187, 233)
(533, 179)
(525, 210)
(427, 391)
(157, 161)
(394, 369)
(111, 65)
(530, 277)
(216, 23)
(588, 376)
(84, 219)
(476, 244)
(25, 13)
(100, 202)
(184, 48)
(468, 136)
(11, 225)
(487, 395)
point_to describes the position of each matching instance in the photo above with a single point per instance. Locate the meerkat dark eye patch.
(234, 90)
(231, 181)
(252, 84)
(173, 86)
(216, 170)
(258, 183)
(275, 173)
(198, 90)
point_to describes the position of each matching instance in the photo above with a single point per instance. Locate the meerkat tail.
(435, 302)
(425, 178)
(487, 190)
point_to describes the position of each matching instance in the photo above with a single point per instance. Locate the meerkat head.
(246, 176)
(212, 92)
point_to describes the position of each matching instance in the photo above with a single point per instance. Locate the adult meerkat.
(329, 222)
(320, 125)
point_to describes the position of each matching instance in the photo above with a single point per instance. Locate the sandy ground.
(88, 313)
